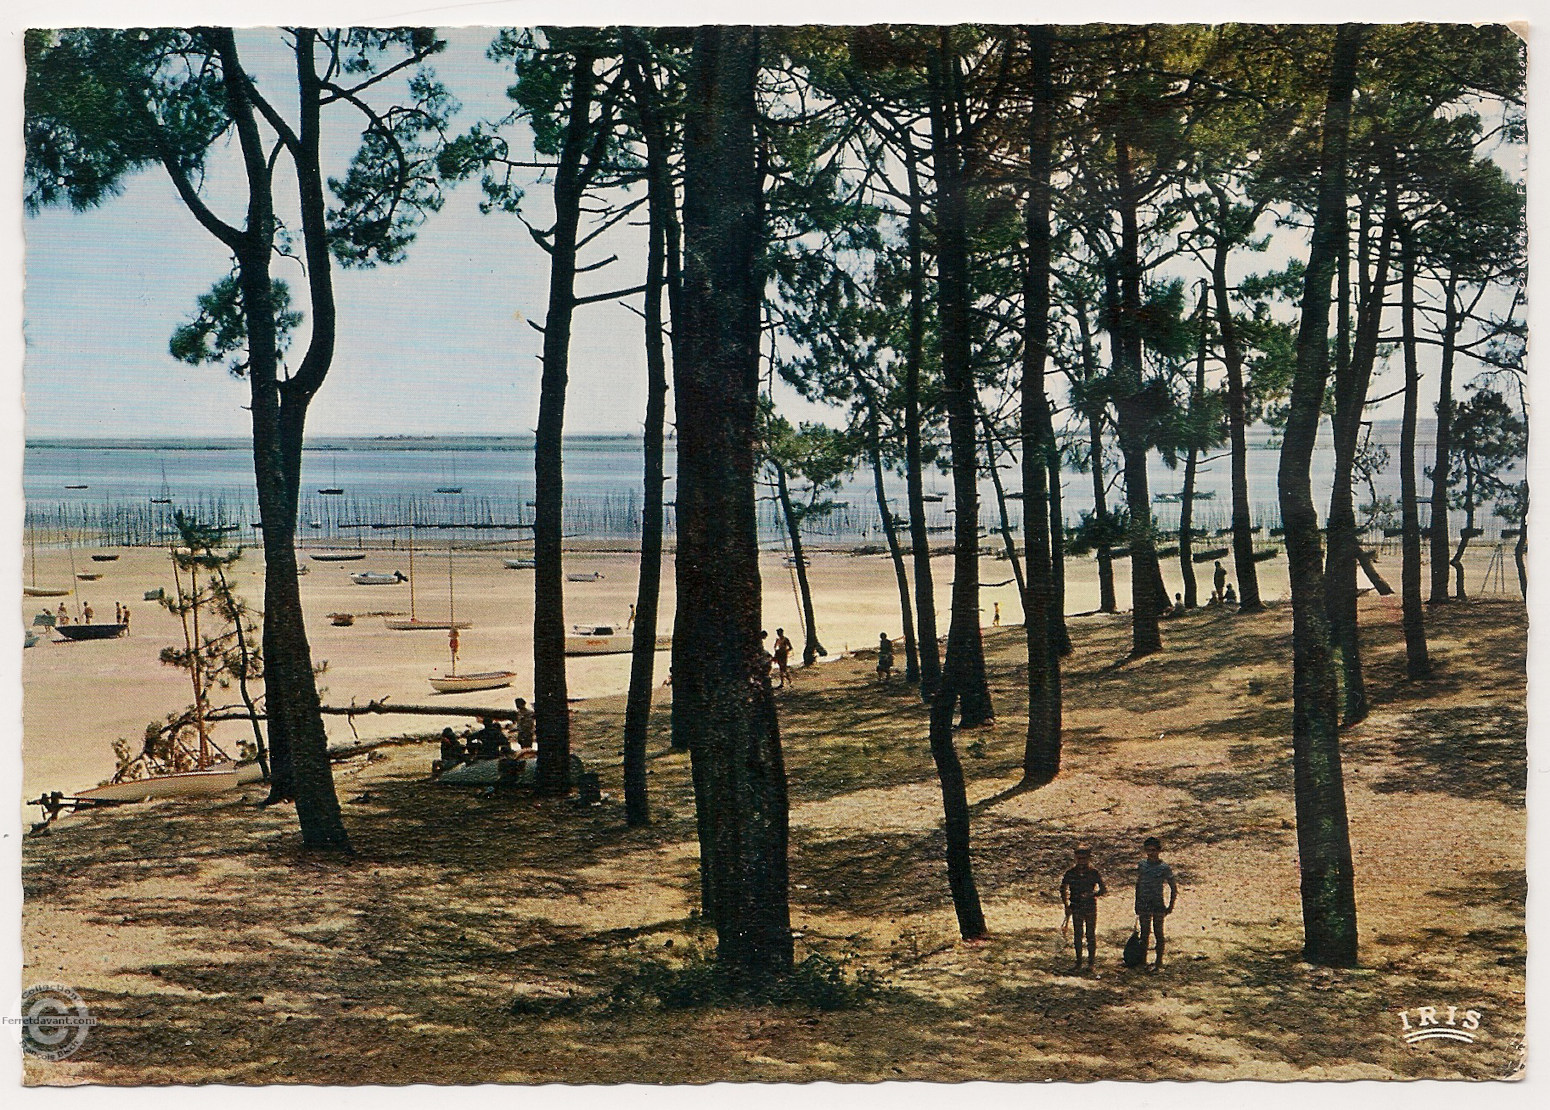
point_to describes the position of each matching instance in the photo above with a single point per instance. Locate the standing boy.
(1080, 889)
(782, 656)
(1152, 874)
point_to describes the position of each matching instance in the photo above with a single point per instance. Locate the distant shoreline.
(332, 443)
(1262, 436)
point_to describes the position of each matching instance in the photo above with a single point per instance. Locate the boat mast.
(412, 616)
(69, 547)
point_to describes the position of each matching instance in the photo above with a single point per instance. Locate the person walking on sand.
(86, 611)
(884, 657)
(995, 618)
(1152, 874)
(1219, 582)
(1080, 889)
(782, 656)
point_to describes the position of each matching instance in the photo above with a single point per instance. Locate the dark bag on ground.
(1135, 949)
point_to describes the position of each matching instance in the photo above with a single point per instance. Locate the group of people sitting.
(490, 741)
(1222, 593)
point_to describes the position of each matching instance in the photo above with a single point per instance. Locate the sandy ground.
(212, 950)
(78, 698)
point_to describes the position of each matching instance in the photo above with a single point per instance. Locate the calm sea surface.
(124, 484)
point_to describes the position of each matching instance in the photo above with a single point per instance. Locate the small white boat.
(605, 639)
(414, 624)
(215, 779)
(465, 683)
(791, 561)
(375, 578)
(589, 576)
(519, 564)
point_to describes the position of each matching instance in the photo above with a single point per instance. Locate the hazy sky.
(438, 343)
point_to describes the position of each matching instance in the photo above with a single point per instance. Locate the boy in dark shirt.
(1080, 889)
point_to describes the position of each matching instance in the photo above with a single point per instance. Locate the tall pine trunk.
(992, 449)
(811, 648)
(299, 765)
(914, 360)
(1440, 459)
(1041, 749)
(1057, 548)
(1417, 663)
(1323, 830)
(953, 291)
(721, 680)
(1146, 601)
(895, 551)
(551, 707)
(958, 386)
(1108, 600)
(1352, 378)
(1197, 394)
(1249, 600)
(662, 266)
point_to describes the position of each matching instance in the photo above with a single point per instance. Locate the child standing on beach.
(1152, 874)
(1080, 889)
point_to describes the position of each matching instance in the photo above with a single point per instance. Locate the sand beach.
(79, 698)
(515, 939)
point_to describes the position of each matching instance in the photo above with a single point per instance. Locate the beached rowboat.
(605, 639)
(589, 576)
(80, 632)
(338, 556)
(519, 564)
(373, 578)
(413, 624)
(465, 683)
(214, 779)
(43, 591)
